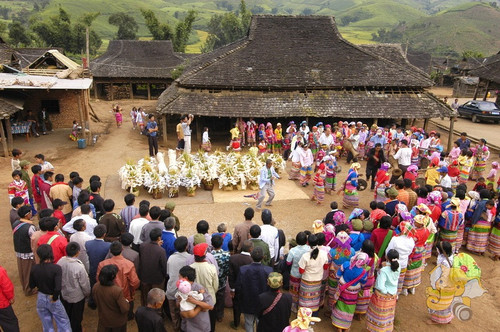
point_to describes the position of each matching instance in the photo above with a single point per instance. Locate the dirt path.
(293, 215)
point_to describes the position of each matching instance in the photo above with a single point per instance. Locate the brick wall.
(68, 105)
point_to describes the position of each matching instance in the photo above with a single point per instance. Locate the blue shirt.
(357, 240)
(97, 251)
(227, 237)
(376, 139)
(294, 256)
(168, 238)
(387, 280)
(351, 274)
(152, 125)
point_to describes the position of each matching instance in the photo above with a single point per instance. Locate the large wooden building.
(134, 69)
(489, 76)
(300, 66)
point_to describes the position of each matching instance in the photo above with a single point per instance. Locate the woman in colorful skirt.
(366, 291)
(449, 224)
(352, 276)
(434, 207)
(382, 307)
(251, 129)
(494, 241)
(293, 259)
(465, 163)
(306, 165)
(477, 240)
(363, 135)
(295, 157)
(313, 140)
(270, 137)
(330, 179)
(413, 276)
(319, 185)
(340, 253)
(481, 155)
(311, 266)
(492, 175)
(351, 196)
(382, 179)
(404, 244)
(18, 188)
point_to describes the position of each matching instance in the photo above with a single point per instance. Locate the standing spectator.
(96, 199)
(44, 121)
(186, 122)
(147, 318)
(112, 305)
(26, 178)
(222, 258)
(8, 319)
(235, 262)
(127, 252)
(22, 230)
(198, 319)
(170, 206)
(36, 236)
(113, 222)
(293, 259)
(168, 237)
(174, 265)
(242, 230)
(252, 281)
(463, 142)
(126, 276)
(45, 189)
(137, 224)
(61, 190)
(81, 237)
(201, 236)
(275, 306)
(77, 188)
(15, 161)
(269, 234)
(44, 164)
(403, 156)
(75, 285)
(375, 159)
(128, 212)
(58, 206)
(266, 183)
(153, 266)
(180, 136)
(154, 213)
(227, 238)
(47, 277)
(36, 183)
(152, 132)
(255, 233)
(206, 275)
(97, 250)
(54, 239)
(90, 223)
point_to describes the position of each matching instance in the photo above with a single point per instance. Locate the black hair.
(99, 231)
(35, 169)
(59, 178)
(257, 254)
(155, 212)
(342, 227)
(95, 185)
(108, 274)
(308, 232)
(72, 249)
(368, 247)
(143, 210)
(51, 223)
(249, 213)
(422, 192)
(429, 188)
(41, 224)
(321, 238)
(126, 239)
(255, 231)
(460, 194)
(484, 194)
(115, 248)
(392, 257)
(16, 173)
(313, 241)
(445, 248)
(45, 213)
(23, 211)
(373, 205)
(85, 208)
(202, 227)
(399, 184)
(407, 183)
(16, 152)
(164, 214)
(490, 202)
(404, 141)
(366, 213)
(78, 225)
(462, 186)
(73, 175)
(108, 205)
(266, 216)
(145, 202)
(155, 234)
(217, 241)
(94, 178)
(247, 246)
(129, 199)
(188, 272)
(47, 175)
(385, 222)
(381, 205)
(45, 253)
(17, 201)
(40, 156)
(181, 243)
(77, 180)
(83, 197)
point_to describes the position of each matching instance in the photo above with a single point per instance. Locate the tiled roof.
(489, 70)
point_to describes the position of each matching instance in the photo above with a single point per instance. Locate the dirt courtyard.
(116, 146)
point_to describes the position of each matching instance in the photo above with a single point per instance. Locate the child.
(320, 155)
(251, 133)
(330, 179)
(262, 146)
(15, 162)
(226, 237)
(319, 185)
(45, 165)
(118, 117)
(205, 141)
(453, 173)
(18, 188)
(133, 116)
(382, 179)
(270, 137)
(455, 152)
(480, 185)
(378, 211)
(184, 290)
(490, 179)
(278, 137)
(235, 145)
(58, 205)
(74, 131)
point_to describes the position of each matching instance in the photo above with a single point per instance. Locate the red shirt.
(59, 215)
(36, 181)
(6, 289)
(378, 236)
(58, 244)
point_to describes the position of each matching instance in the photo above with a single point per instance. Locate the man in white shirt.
(269, 234)
(186, 121)
(266, 183)
(445, 178)
(354, 139)
(304, 128)
(81, 237)
(90, 223)
(326, 138)
(137, 224)
(403, 156)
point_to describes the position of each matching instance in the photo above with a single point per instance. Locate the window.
(52, 106)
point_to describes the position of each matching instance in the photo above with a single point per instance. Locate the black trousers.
(236, 310)
(371, 172)
(153, 145)
(8, 320)
(75, 314)
(219, 303)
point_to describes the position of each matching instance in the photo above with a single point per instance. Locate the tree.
(160, 31)
(18, 35)
(182, 32)
(127, 26)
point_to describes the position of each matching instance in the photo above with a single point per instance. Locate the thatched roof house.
(300, 66)
(489, 74)
(28, 55)
(134, 68)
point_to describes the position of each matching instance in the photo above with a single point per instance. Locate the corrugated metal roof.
(13, 81)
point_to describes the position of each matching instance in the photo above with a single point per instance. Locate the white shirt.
(136, 228)
(306, 158)
(403, 156)
(404, 245)
(328, 140)
(354, 140)
(295, 155)
(269, 234)
(205, 138)
(445, 181)
(90, 224)
(81, 238)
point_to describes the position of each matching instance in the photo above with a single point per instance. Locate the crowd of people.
(353, 262)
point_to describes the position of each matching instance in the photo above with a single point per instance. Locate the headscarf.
(329, 231)
(455, 201)
(355, 166)
(385, 166)
(406, 228)
(435, 161)
(420, 219)
(359, 260)
(318, 226)
(434, 197)
(392, 192)
(494, 164)
(474, 195)
(357, 224)
(355, 213)
(339, 217)
(413, 169)
(343, 240)
(424, 209)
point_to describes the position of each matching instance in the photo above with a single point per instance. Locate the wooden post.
(450, 134)
(476, 91)
(96, 95)
(164, 128)
(4, 140)
(149, 91)
(131, 89)
(375, 121)
(426, 124)
(486, 90)
(198, 130)
(80, 112)
(10, 139)
(111, 89)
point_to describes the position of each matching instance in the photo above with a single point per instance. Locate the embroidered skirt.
(294, 171)
(460, 238)
(401, 280)
(333, 283)
(351, 198)
(413, 276)
(319, 193)
(494, 242)
(449, 236)
(305, 174)
(294, 291)
(310, 294)
(330, 181)
(344, 308)
(477, 241)
(381, 312)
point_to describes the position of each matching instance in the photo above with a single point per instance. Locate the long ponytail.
(313, 242)
(392, 257)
